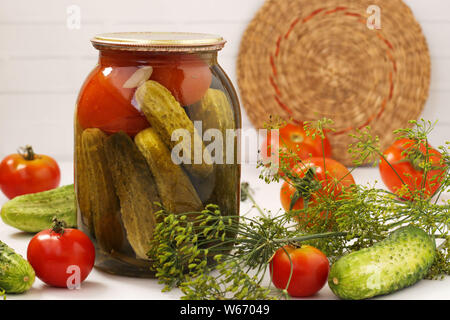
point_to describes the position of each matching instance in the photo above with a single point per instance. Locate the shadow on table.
(87, 288)
(22, 235)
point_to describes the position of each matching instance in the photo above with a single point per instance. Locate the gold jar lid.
(158, 41)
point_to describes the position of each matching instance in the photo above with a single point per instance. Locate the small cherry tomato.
(312, 178)
(61, 256)
(293, 139)
(408, 177)
(27, 172)
(309, 266)
(187, 77)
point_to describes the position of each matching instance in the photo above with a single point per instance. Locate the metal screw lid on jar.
(158, 41)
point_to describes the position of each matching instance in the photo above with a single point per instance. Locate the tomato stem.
(58, 226)
(27, 152)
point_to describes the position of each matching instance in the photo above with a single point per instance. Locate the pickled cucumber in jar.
(131, 160)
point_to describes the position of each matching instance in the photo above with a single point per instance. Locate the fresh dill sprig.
(211, 256)
(181, 243)
(441, 266)
(365, 148)
(318, 128)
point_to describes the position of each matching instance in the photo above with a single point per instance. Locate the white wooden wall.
(43, 63)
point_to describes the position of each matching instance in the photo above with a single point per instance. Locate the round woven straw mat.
(307, 59)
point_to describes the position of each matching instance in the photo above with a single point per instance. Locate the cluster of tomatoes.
(51, 252)
(308, 171)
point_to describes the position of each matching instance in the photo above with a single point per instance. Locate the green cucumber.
(399, 261)
(16, 274)
(35, 212)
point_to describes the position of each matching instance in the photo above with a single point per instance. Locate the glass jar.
(155, 125)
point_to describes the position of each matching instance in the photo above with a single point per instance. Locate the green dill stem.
(249, 195)
(427, 158)
(389, 164)
(219, 245)
(398, 223)
(291, 271)
(347, 174)
(311, 237)
(440, 191)
(442, 245)
(323, 152)
(351, 170)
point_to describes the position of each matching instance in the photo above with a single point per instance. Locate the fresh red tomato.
(293, 139)
(409, 171)
(60, 257)
(27, 172)
(309, 267)
(105, 104)
(319, 176)
(185, 76)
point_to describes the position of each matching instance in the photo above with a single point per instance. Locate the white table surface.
(100, 285)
